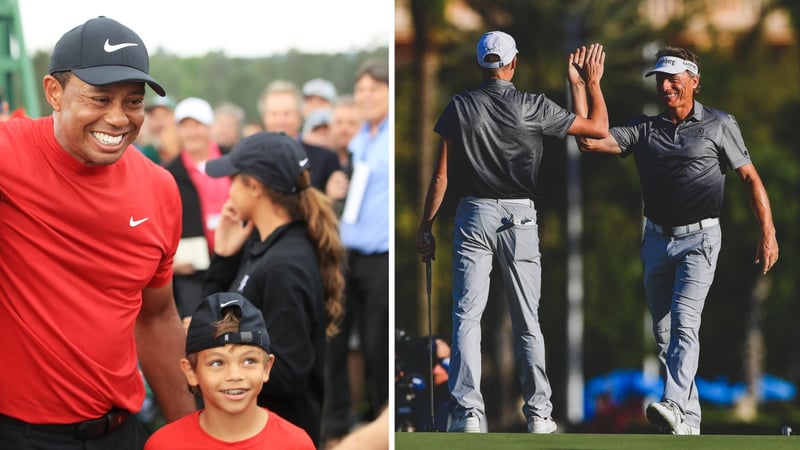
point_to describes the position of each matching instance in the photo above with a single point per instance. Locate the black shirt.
(322, 162)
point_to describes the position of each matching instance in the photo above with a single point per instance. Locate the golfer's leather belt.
(683, 229)
(88, 429)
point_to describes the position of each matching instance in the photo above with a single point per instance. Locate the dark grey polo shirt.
(497, 134)
(682, 166)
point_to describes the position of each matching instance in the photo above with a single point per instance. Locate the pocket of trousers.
(526, 240)
(707, 249)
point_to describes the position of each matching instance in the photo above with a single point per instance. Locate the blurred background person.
(250, 128)
(344, 398)
(373, 435)
(202, 200)
(158, 138)
(227, 128)
(345, 122)
(364, 229)
(143, 143)
(318, 94)
(279, 106)
(316, 129)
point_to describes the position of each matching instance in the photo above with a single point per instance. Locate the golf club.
(427, 238)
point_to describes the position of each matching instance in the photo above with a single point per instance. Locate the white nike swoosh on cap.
(111, 48)
(303, 162)
(136, 223)
(222, 305)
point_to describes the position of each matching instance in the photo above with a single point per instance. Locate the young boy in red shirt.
(227, 362)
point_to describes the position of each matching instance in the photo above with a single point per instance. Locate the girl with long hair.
(278, 245)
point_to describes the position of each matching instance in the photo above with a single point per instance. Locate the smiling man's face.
(95, 124)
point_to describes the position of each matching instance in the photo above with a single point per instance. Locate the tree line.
(217, 77)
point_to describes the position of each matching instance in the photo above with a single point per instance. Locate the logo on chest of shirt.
(136, 222)
(699, 131)
(243, 283)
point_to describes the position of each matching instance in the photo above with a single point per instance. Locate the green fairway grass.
(514, 441)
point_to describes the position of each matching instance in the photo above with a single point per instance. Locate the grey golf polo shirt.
(682, 166)
(497, 134)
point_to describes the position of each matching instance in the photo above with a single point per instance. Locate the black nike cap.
(103, 51)
(203, 326)
(273, 158)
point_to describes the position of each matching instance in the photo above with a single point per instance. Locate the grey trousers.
(678, 272)
(507, 230)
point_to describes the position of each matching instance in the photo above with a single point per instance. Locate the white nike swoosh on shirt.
(136, 223)
(111, 48)
(303, 162)
(222, 305)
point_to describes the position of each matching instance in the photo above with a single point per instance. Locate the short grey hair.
(230, 109)
(280, 86)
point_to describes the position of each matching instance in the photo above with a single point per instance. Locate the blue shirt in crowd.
(370, 233)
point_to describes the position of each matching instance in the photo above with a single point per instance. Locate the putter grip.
(427, 239)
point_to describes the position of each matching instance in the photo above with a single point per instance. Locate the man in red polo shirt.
(88, 227)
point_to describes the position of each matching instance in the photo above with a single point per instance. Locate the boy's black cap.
(274, 158)
(252, 329)
(103, 51)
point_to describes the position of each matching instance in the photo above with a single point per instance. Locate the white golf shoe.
(472, 424)
(664, 414)
(684, 428)
(541, 425)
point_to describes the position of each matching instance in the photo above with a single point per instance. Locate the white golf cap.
(319, 87)
(496, 43)
(194, 108)
(673, 65)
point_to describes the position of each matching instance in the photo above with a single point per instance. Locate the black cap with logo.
(274, 158)
(252, 329)
(102, 51)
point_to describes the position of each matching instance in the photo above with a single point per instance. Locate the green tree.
(217, 77)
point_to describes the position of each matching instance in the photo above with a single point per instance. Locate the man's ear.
(53, 91)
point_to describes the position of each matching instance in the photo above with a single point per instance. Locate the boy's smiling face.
(229, 377)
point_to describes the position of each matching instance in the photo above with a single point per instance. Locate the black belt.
(88, 429)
